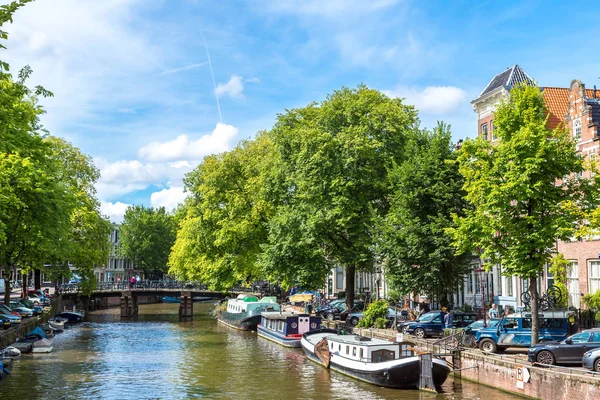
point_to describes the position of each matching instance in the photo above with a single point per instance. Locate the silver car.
(591, 360)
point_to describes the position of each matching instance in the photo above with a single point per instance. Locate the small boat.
(375, 361)
(201, 298)
(73, 315)
(3, 371)
(170, 299)
(286, 328)
(10, 353)
(57, 323)
(244, 312)
(42, 346)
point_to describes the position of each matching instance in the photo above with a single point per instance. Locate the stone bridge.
(129, 295)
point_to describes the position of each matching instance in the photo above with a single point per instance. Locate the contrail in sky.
(212, 73)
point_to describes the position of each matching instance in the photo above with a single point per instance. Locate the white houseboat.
(244, 311)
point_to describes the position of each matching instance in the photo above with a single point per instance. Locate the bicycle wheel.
(554, 295)
(544, 305)
(526, 297)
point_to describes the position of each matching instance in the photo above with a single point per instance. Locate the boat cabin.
(366, 349)
(245, 303)
(289, 324)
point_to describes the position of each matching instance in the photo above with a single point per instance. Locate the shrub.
(375, 315)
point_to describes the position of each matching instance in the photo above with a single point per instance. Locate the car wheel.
(330, 316)
(404, 329)
(420, 333)
(488, 346)
(354, 321)
(545, 357)
(597, 365)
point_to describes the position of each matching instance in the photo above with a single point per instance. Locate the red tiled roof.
(557, 103)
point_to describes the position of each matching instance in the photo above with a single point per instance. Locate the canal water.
(158, 357)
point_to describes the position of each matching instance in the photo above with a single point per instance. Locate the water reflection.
(158, 357)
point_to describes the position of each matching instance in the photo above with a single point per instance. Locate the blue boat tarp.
(38, 332)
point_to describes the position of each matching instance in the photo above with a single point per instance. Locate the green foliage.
(329, 183)
(592, 300)
(420, 256)
(6, 13)
(558, 269)
(520, 203)
(375, 315)
(147, 235)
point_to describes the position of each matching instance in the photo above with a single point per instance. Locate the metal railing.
(141, 285)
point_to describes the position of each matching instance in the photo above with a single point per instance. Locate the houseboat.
(286, 328)
(244, 311)
(375, 361)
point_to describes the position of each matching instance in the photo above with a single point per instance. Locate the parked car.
(358, 307)
(5, 322)
(568, 351)
(357, 316)
(14, 319)
(477, 325)
(514, 330)
(431, 323)
(37, 310)
(591, 360)
(23, 311)
(329, 304)
(4, 309)
(334, 311)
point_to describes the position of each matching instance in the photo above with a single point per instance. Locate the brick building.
(579, 109)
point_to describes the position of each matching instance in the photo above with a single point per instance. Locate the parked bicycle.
(551, 299)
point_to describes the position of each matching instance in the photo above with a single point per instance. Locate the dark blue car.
(431, 323)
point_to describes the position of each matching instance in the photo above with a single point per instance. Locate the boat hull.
(280, 339)
(244, 324)
(71, 316)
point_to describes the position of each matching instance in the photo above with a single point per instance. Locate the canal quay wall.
(10, 335)
(506, 373)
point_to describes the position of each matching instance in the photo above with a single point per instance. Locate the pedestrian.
(493, 312)
(449, 320)
(131, 282)
(443, 316)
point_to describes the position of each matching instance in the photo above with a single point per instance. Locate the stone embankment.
(509, 373)
(10, 335)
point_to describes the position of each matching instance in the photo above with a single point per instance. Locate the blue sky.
(133, 86)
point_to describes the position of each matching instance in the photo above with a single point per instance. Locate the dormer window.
(577, 129)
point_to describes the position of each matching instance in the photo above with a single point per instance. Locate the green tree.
(220, 238)
(329, 182)
(147, 235)
(523, 190)
(426, 190)
(558, 269)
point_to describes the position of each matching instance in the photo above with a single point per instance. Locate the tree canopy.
(147, 235)
(426, 190)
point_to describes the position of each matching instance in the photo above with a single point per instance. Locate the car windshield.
(427, 317)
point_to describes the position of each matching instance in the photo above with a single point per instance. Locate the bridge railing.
(141, 285)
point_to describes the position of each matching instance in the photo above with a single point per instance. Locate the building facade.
(117, 268)
(578, 109)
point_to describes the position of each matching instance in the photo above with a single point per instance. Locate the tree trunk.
(535, 323)
(37, 278)
(6, 274)
(24, 286)
(350, 272)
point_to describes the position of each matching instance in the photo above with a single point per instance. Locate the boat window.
(354, 351)
(340, 348)
(361, 353)
(406, 350)
(347, 349)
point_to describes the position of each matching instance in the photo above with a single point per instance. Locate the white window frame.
(593, 276)
(484, 132)
(577, 129)
(573, 283)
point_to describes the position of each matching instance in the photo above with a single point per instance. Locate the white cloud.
(168, 198)
(234, 88)
(254, 79)
(432, 99)
(114, 211)
(184, 68)
(183, 148)
(329, 8)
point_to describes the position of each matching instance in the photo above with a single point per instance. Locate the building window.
(577, 129)
(594, 274)
(493, 130)
(573, 283)
(484, 131)
(549, 277)
(477, 284)
(509, 286)
(499, 285)
(339, 278)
